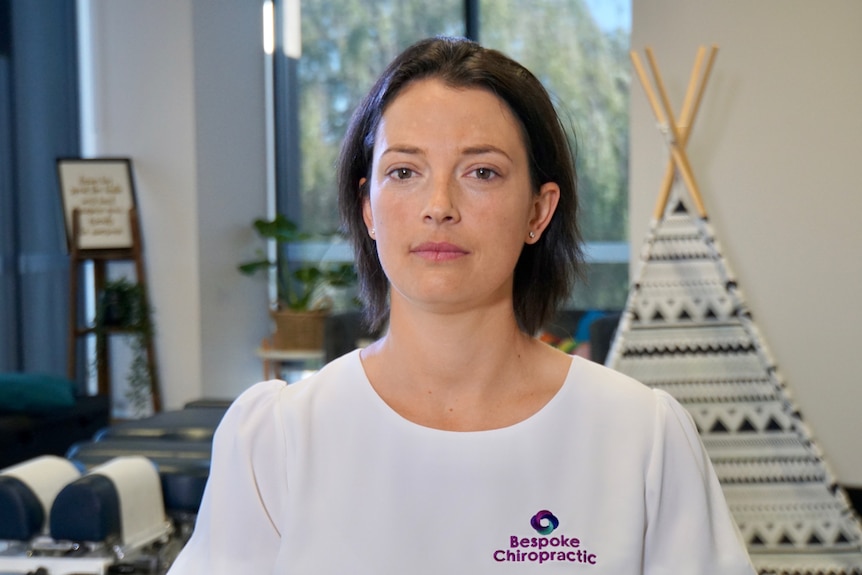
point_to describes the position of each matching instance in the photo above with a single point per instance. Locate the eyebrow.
(398, 149)
(468, 151)
(484, 149)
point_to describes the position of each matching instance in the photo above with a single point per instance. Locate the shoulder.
(606, 387)
(612, 392)
(338, 370)
(334, 380)
(251, 415)
(268, 403)
(614, 399)
(629, 411)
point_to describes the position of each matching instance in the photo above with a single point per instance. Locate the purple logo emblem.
(544, 522)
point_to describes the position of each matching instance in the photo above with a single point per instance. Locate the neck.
(464, 371)
(458, 349)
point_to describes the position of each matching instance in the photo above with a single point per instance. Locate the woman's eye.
(484, 173)
(401, 173)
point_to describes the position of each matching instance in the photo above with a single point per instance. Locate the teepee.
(686, 329)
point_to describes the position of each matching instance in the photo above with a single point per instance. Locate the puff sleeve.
(237, 528)
(689, 526)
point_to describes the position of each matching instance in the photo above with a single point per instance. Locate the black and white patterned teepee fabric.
(686, 329)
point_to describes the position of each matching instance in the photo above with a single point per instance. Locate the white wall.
(776, 148)
(177, 86)
(231, 170)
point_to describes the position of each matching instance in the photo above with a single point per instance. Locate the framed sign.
(101, 191)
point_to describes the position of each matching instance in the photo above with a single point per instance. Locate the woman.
(459, 443)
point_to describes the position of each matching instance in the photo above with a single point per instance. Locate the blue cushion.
(88, 509)
(21, 510)
(35, 392)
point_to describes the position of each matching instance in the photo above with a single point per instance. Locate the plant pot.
(298, 329)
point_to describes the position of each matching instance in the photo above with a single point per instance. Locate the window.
(577, 48)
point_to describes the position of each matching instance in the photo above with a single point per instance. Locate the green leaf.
(249, 268)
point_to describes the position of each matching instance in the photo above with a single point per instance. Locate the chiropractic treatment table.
(123, 502)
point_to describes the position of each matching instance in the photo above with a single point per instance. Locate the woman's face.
(450, 203)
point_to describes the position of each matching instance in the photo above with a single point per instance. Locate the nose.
(441, 205)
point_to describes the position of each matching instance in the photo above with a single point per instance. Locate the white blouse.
(321, 477)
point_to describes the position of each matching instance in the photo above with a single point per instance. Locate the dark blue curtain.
(38, 123)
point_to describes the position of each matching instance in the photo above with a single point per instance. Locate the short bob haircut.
(547, 270)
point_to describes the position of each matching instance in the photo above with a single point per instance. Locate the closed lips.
(439, 250)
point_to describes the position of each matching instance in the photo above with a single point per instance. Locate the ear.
(366, 207)
(543, 208)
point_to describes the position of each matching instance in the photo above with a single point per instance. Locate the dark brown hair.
(546, 271)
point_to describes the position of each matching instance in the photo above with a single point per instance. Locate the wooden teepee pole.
(691, 104)
(679, 128)
(677, 153)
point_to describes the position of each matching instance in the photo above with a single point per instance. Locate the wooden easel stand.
(100, 259)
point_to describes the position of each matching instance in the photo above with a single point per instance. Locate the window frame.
(287, 155)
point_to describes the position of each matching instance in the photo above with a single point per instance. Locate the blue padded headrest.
(183, 489)
(87, 509)
(21, 513)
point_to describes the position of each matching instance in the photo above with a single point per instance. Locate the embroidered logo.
(557, 549)
(544, 522)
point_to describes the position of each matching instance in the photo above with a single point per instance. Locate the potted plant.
(122, 307)
(304, 289)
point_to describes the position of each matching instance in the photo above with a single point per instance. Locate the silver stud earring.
(372, 231)
(532, 235)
